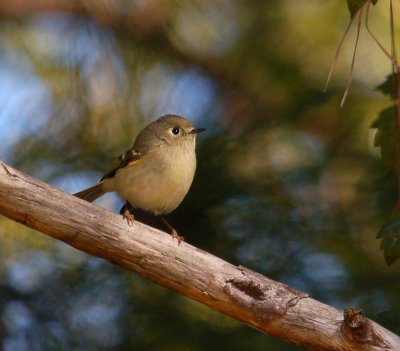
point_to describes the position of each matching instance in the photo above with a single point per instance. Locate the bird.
(156, 172)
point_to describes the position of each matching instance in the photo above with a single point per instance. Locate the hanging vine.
(387, 124)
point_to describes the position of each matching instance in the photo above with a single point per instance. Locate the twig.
(396, 94)
(335, 59)
(385, 51)
(350, 77)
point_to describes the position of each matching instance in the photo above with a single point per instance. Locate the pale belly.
(157, 187)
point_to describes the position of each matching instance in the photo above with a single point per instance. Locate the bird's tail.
(92, 193)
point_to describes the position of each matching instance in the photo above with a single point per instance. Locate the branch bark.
(247, 296)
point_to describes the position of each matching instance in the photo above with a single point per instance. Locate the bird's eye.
(175, 131)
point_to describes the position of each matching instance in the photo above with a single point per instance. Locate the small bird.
(155, 174)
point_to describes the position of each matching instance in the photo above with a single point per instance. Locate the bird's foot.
(176, 236)
(128, 216)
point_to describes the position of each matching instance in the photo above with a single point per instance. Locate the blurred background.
(288, 183)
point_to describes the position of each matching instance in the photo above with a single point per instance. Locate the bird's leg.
(126, 213)
(173, 231)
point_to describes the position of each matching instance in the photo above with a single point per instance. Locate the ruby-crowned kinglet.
(155, 174)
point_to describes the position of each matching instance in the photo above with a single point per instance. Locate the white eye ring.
(175, 130)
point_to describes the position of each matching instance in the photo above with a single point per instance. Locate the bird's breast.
(159, 181)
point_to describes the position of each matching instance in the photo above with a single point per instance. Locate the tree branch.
(247, 296)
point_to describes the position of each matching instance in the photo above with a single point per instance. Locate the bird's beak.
(197, 130)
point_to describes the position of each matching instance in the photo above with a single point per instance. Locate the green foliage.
(389, 86)
(390, 235)
(354, 5)
(385, 137)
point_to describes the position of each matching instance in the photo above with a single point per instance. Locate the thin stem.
(350, 77)
(393, 42)
(335, 59)
(396, 84)
(385, 51)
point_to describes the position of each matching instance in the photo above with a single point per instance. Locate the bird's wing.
(127, 159)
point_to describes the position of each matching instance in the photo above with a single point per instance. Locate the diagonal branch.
(247, 296)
